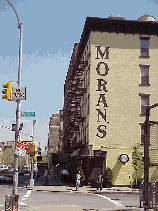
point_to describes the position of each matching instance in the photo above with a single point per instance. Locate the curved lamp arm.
(15, 13)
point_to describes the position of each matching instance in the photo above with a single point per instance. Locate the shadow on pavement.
(51, 182)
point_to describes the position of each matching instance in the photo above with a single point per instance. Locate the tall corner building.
(112, 78)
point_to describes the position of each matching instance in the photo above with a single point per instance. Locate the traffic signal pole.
(15, 176)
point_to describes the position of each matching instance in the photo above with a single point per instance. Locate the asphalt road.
(7, 188)
(84, 201)
(35, 200)
(128, 200)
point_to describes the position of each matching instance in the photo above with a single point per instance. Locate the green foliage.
(8, 156)
(93, 179)
(137, 157)
(137, 160)
(79, 168)
(22, 160)
(108, 175)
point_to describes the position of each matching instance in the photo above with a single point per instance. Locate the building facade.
(55, 132)
(111, 79)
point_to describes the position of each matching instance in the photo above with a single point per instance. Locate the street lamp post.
(15, 176)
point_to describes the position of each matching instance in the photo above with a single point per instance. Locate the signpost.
(18, 93)
(28, 114)
(14, 127)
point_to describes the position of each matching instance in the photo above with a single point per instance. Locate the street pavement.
(55, 185)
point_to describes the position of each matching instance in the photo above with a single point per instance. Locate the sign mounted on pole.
(14, 127)
(28, 114)
(18, 93)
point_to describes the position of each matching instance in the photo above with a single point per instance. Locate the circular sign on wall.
(123, 158)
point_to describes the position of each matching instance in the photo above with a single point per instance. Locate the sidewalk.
(55, 185)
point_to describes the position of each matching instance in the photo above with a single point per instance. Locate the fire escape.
(72, 109)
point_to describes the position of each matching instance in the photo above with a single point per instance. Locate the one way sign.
(14, 127)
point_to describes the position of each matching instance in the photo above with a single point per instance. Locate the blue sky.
(50, 30)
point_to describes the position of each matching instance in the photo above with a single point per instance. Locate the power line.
(3, 126)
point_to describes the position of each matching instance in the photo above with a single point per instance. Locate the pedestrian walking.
(77, 181)
(46, 176)
(99, 181)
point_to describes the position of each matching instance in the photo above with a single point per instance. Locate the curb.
(83, 191)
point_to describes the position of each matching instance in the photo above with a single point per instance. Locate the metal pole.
(146, 161)
(15, 176)
(32, 180)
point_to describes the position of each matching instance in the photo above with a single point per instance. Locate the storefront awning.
(60, 158)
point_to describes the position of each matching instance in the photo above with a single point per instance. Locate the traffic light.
(36, 146)
(34, 158)
(7, 91)
(39, 158)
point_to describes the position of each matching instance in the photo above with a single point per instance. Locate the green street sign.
(28, 114)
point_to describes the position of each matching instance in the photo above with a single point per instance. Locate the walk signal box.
(37, 158)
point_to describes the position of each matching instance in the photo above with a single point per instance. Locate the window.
(144, 103)
(142, 132)
(144, 71)
(144, 46)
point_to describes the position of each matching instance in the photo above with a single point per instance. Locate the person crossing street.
(46, 176)
(77, 181)
(99, 181)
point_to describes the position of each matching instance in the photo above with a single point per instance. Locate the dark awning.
(60, 158)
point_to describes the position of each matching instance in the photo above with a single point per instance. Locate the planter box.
(107, 184)
(94, 184)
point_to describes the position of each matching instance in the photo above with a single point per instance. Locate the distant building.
(6, 144)
(1, 146)
(112, 78)
(55, 132)
(9, 144)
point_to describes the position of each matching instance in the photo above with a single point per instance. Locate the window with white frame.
(144, 46)
(144, 103)
(144, 74)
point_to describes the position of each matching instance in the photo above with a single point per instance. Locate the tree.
(137, 160)
(8, 156)
(22, 161)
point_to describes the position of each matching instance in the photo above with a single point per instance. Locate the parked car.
(3, 167)
(6, 175)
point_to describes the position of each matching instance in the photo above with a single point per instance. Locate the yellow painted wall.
(123, 100)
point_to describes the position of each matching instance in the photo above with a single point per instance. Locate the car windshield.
(6, 171)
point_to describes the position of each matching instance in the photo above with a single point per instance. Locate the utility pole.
(32, 180)
(146, 161)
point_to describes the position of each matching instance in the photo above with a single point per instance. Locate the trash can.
(142, 193)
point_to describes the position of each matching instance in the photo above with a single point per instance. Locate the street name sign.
(28, 114)
(18, 93)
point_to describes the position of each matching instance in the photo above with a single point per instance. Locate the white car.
(3, 167)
